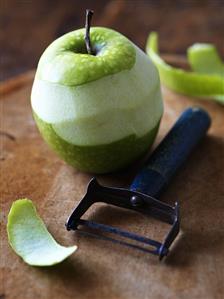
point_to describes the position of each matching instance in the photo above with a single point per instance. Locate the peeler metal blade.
(132, 200)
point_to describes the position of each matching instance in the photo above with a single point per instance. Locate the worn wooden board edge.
(16, 82)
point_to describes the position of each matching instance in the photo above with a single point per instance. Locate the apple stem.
(89, 14)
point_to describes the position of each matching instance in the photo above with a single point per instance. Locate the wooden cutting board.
(101, 269)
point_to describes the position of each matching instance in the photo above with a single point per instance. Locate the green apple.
(98, 112)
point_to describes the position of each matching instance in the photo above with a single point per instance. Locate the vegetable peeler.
(149, 183)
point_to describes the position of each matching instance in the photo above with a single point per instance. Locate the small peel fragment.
(30, 239)
(204, 58)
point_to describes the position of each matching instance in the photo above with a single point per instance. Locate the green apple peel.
(30, 239)
(202, 82)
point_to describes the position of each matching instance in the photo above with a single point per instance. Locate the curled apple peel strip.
(205, 81)
(30, 239)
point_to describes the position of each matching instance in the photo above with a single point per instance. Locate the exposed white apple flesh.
(102, 111)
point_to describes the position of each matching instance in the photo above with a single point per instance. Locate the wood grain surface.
(28, 26)
(100, 269)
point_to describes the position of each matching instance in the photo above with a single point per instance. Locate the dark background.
(28, 26)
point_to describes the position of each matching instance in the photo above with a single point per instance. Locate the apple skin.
(98, 112)
(101, 158)
(66, 61)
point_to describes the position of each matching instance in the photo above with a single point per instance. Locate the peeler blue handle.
(172, 152)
